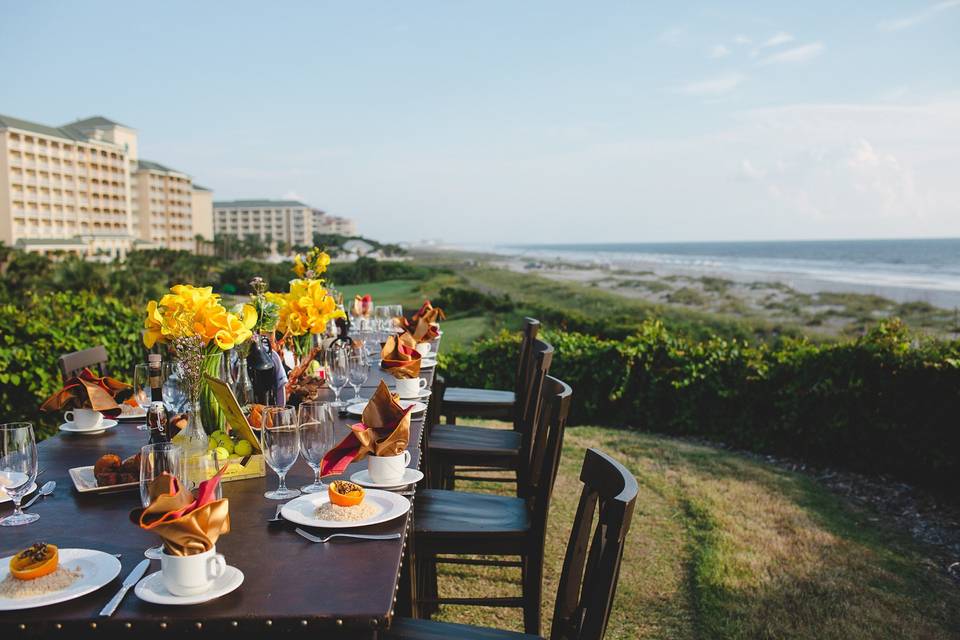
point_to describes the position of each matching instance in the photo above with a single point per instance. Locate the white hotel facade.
(82, 188)
(288, 221)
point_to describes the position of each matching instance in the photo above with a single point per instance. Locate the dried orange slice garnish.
(345, 494)
(35, 561)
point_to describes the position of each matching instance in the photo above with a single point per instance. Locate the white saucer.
(69, 427)
(151, 589)
(410, 476)
(428, 363)
(421, 395)
(357, 408)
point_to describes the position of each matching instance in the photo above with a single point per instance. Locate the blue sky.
(527, 121)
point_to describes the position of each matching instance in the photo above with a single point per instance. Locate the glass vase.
(210, 412)
(194, 442)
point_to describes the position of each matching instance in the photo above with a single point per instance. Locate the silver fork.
(355, 536)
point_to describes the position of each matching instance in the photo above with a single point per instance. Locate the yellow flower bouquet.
(198, 329)
(305, 310)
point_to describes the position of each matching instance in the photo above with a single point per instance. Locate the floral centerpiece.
(198, 329)
(307, 308)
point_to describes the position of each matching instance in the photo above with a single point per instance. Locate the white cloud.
(803, 53)
(749, 171)
(917, 18)
(777, 39)
(741, 39)
(719, 51)
(292, 195)
(715, 86)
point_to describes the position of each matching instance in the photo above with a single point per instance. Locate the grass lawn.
(723, 546)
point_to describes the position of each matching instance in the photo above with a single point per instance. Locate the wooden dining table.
(339, 589)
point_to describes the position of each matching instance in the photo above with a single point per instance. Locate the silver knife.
(131, 579)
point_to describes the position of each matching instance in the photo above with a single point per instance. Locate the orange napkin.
(384, 430)
(431, 313)
(86, 391)
(187, 526)
(400, 357)
(362, 306)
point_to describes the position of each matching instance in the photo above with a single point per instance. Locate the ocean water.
(903, 270)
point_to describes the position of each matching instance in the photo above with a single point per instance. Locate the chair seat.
(456, 514)
(474, 440)
(413, 629)
(483, 403)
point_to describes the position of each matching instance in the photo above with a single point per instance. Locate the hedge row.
(882, 404)
(37, 330)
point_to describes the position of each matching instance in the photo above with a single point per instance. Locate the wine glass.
(18, 468)
(316, 439)
(156, 460)
(280, 441)
(396, 312)
(358, 370)
(142, 392)
(337, 370)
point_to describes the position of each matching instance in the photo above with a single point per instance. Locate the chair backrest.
(591, 567)
(435, 403)
(539, 369)
(521, 384)
(547, 446)
(94, 358)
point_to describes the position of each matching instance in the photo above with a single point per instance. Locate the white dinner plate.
(69, 427)
(98, 568)
(133, 414)
(410, 476)
(5, 498)
(303, 510)
(357, 408)
(428, 363)
(151, 589)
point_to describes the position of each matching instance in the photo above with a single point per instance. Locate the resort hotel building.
(82, 188)
(277, 221)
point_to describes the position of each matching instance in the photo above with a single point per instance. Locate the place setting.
(381, 439)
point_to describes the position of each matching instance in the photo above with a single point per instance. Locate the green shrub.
(884, 403)
(36, 331)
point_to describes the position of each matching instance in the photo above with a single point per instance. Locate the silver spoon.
(45, 490)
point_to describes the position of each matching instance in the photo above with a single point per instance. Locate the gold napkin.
(362, 306)
(400, 357)
(86, 391)
(187, 526)
(430, 312)
(384, 430)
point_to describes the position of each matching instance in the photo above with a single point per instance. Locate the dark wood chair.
(591, 567)
(469, 450)
(449, 524)
(94, 358)
(495, 404)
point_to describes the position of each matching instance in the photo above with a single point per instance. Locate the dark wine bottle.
(157, 423)
(262, 370)
(155, 376)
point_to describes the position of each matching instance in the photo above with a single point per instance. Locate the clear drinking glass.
(337, 369)
(141, 388)
(396, 312)
(18, 468)
(280, 440)
(358, 370)
(316, 439)
(156, 460)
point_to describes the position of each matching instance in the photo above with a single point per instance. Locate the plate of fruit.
(42, 574)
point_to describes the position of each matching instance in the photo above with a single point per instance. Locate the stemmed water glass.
(156, 460)
(18, 468)
(141, 389)
(358, 370)
(316, 439)
(337, 370)
(280, 441)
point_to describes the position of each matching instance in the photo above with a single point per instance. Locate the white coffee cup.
(424, 348)
(84, 418)
(410, 387)
(190, 575)
(387, 469)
